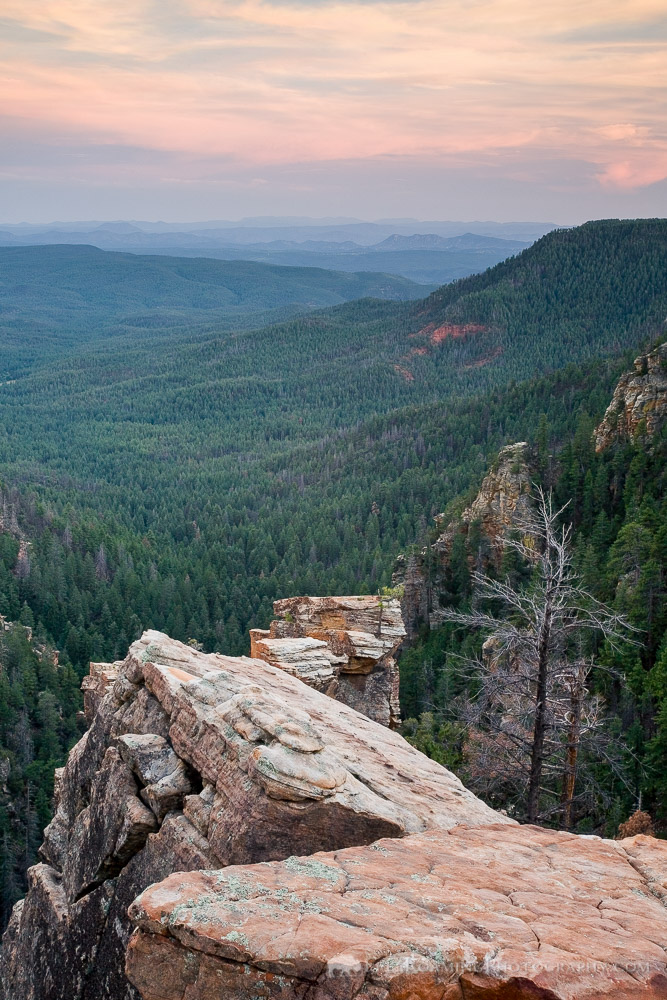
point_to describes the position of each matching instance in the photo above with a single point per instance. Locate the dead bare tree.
(538, 637)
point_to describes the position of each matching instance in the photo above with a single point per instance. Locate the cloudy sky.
(462, 109)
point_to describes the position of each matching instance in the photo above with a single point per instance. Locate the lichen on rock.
(265, 840)
(492, 913)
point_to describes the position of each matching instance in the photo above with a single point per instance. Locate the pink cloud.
(280, 82)
(625, 174)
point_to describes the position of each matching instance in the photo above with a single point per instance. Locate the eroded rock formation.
(196, 761)
(639, 403)
(343, 646)
(498, 913)
(502, 504)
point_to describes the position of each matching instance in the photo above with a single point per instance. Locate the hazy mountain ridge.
(124, 236)
(411, 250)
(297, 229)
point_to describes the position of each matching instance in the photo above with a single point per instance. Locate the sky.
(549, 110)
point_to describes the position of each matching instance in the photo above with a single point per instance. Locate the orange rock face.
(495, 913)
(453, 331)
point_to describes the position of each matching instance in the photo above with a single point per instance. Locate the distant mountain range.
(125, 236)
(262, 230)
(467, 242)
(435, 253)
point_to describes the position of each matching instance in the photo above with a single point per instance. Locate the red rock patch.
(486, 360)
(454, 331)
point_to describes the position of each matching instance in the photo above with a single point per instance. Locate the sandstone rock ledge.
(200, 804)
(495, 913)
(193, 762)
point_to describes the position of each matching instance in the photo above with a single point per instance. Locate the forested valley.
(182, 475)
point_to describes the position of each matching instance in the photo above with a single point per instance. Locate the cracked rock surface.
(495, 913)
(270, 841)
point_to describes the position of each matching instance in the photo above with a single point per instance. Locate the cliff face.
(639, 403)
(343, 646)
(503, 502)
(198, 762)
(638, 409)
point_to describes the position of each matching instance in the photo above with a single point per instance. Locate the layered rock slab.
(197, 761)
(496, 913)
(342, 646)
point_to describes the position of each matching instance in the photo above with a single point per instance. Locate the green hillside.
(430, 267)
(230, 429)
(59, 298)
(573, 295)
(609, 274)
(235, 438)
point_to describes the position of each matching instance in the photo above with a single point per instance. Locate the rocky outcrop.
(42, 650)
(343, 646)
(265, 840)
(502, 504)
(95, 685)
(503, 501)
(197, 762)
(639, 404)
(499, 913)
